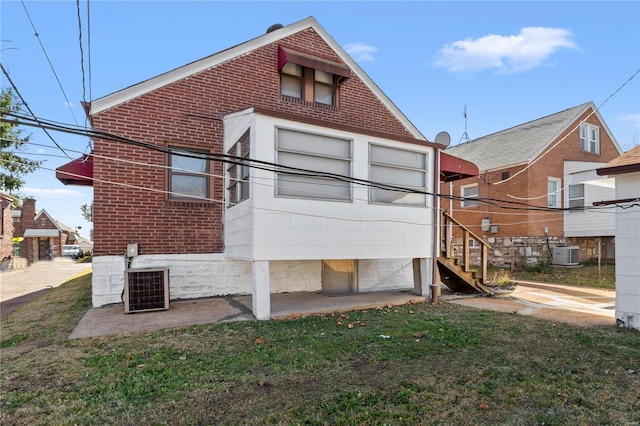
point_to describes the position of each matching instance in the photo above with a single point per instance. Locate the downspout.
(435, 283)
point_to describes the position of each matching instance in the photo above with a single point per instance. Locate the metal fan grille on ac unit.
(146, 290)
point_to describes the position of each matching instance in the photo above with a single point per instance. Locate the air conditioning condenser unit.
(566, 256)
(146, 290)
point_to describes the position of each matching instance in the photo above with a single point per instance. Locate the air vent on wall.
(146, 290)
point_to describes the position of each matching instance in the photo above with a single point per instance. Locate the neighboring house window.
(576, 197)
(505, 175)
(397, 167)
(307, 84)
(553, 192)
(469, 192)
(589, 138)
(188, 175)
(238, 171)
(318, 154)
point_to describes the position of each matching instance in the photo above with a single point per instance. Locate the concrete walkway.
(583, 306)
(20, 286)
(570, 304)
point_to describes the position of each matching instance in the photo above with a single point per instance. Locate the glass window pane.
(400, 177)
(182, 185)
(292, 69)
(398, 157)
(323, 94)
(324, 77)
(576, 191)
(291, 86)
(396, 197)
(318, 164)
(312, 187)
(313, 144)
(187, 163)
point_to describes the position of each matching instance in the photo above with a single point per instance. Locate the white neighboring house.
(583, 187)
(626, 171)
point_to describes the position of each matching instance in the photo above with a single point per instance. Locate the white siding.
(628, 251)
(267, 227)
(596, 188)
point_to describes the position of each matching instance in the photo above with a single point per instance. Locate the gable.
(261, 54)
(524, 143)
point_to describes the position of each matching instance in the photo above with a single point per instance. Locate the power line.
(569, 133)
(15, 88)
(276, 168)
(49, 61)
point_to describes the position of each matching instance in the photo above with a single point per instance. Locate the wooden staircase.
(456, 273)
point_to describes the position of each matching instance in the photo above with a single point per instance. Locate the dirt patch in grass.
(414, 364)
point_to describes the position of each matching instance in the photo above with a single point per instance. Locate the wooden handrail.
(475, 237)
(446, 238)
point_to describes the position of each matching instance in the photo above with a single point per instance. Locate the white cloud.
(634, 119)
(50, 194)
(361, 52)
(505, 53)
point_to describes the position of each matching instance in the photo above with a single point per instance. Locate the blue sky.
(507, 62)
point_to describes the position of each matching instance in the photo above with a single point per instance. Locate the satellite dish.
(443, 138)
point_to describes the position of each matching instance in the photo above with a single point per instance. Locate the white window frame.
(590, 138)
(309, 155)
(553, 194)
(238, 171)
(195, 169)
(576, 204)
(392, 166)
(466, 202)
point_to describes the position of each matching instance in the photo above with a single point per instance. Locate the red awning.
(77, 172)
(287, 55)
(454, 168)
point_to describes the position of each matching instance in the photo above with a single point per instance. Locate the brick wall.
(189, 112)
(529, 187)
(6, 233)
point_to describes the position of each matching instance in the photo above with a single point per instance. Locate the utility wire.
(84, 87)
(49, 60)
(569, 133)
(276, 168)
(29, 109)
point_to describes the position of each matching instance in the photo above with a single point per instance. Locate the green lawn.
(416, 364)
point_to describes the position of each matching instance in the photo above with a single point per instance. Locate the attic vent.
(274, 27)
(146, 290)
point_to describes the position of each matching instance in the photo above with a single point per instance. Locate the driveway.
(585, 306)
(20, 286)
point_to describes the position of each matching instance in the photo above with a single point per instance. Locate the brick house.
(6, 229)
(247, 172)
(42, 237)
(626, 172)
(548, 163)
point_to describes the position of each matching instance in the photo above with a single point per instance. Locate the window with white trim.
(468, 193)
(576, 197)
(590, 138)
(238, 171)
(554, 185)
(188, 173)
(397, 167)
(318, 156)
